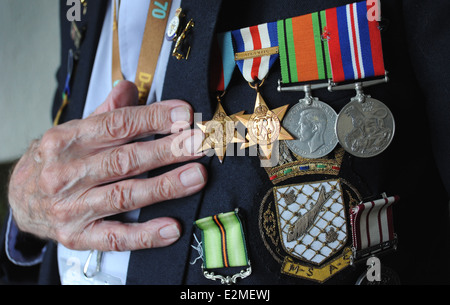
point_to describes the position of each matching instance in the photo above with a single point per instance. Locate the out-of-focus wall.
(29, 58)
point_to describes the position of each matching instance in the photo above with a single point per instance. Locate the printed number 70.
(161, 11)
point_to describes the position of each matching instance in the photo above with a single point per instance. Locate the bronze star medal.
(264, 126)
(219, 132)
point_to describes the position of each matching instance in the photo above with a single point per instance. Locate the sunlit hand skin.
(70, 180)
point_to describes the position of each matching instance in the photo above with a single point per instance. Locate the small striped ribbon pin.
(372, 223)
(223, 241)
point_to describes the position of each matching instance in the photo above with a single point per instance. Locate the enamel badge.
(305, 226)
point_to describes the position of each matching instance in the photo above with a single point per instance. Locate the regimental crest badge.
(306, 225)
(312, 221)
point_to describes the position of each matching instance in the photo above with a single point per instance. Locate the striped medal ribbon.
(256, 50)
(372, 226)
(303, 50)
(223, 243)
(304, 59)
(222, 64)
(355, 43)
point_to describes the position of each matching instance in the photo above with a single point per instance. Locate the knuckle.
(143, 241)
(119, 198)
(121, 162)
(114, 242)
(156, 118)
(59, 214)
(66, 239)
(53, 142)
(162, 153)
(118, 124)
(51, 180)
(165, 188)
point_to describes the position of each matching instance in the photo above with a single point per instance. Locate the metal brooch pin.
(181, 42)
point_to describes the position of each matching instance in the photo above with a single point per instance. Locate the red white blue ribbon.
(354, 43)
(255, 38)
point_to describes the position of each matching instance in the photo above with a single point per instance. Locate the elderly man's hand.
(76, 175)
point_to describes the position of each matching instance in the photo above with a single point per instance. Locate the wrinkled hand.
(69, 181)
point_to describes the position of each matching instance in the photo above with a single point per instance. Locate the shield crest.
(311, 219)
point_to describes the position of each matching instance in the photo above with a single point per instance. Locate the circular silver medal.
(311, 122)
(365, 129)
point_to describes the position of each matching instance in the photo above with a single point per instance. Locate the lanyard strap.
(150, 49)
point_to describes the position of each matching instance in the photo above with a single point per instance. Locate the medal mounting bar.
(302, 87)
(358, 86)
(228, 280)
(383, 248)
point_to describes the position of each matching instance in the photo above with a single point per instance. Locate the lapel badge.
(179, 33)
(223, 248)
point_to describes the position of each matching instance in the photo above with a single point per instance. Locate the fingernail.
(180, 114)
(169, 232)
(116, 83)
(193, 143)
(192, 177)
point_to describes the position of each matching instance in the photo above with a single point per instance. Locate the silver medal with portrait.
(365, 129)
(312, 124)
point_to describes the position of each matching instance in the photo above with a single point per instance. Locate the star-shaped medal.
(264, 126)
(219, 132)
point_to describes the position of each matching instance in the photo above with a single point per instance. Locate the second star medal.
(256, 51)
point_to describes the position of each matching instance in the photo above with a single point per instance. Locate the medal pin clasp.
(177, 53)
(307, 88)
(358, 86)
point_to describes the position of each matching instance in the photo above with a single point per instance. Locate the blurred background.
(29, 58)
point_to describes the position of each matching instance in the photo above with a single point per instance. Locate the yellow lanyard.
(151, 46)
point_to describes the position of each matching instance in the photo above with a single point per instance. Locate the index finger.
(129, 123)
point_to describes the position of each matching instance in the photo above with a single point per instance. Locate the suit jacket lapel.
(92, 23)
(187, 80)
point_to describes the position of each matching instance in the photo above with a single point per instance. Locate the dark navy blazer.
(416, 166)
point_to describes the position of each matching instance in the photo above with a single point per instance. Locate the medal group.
(304, 225)
(338, 49)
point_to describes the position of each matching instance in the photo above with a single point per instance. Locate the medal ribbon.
(303, 51)
(151, 46)
(223, 64)
(372, 223)
(354, 42)
(223, 241)
(339, 43)
(256, 50)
